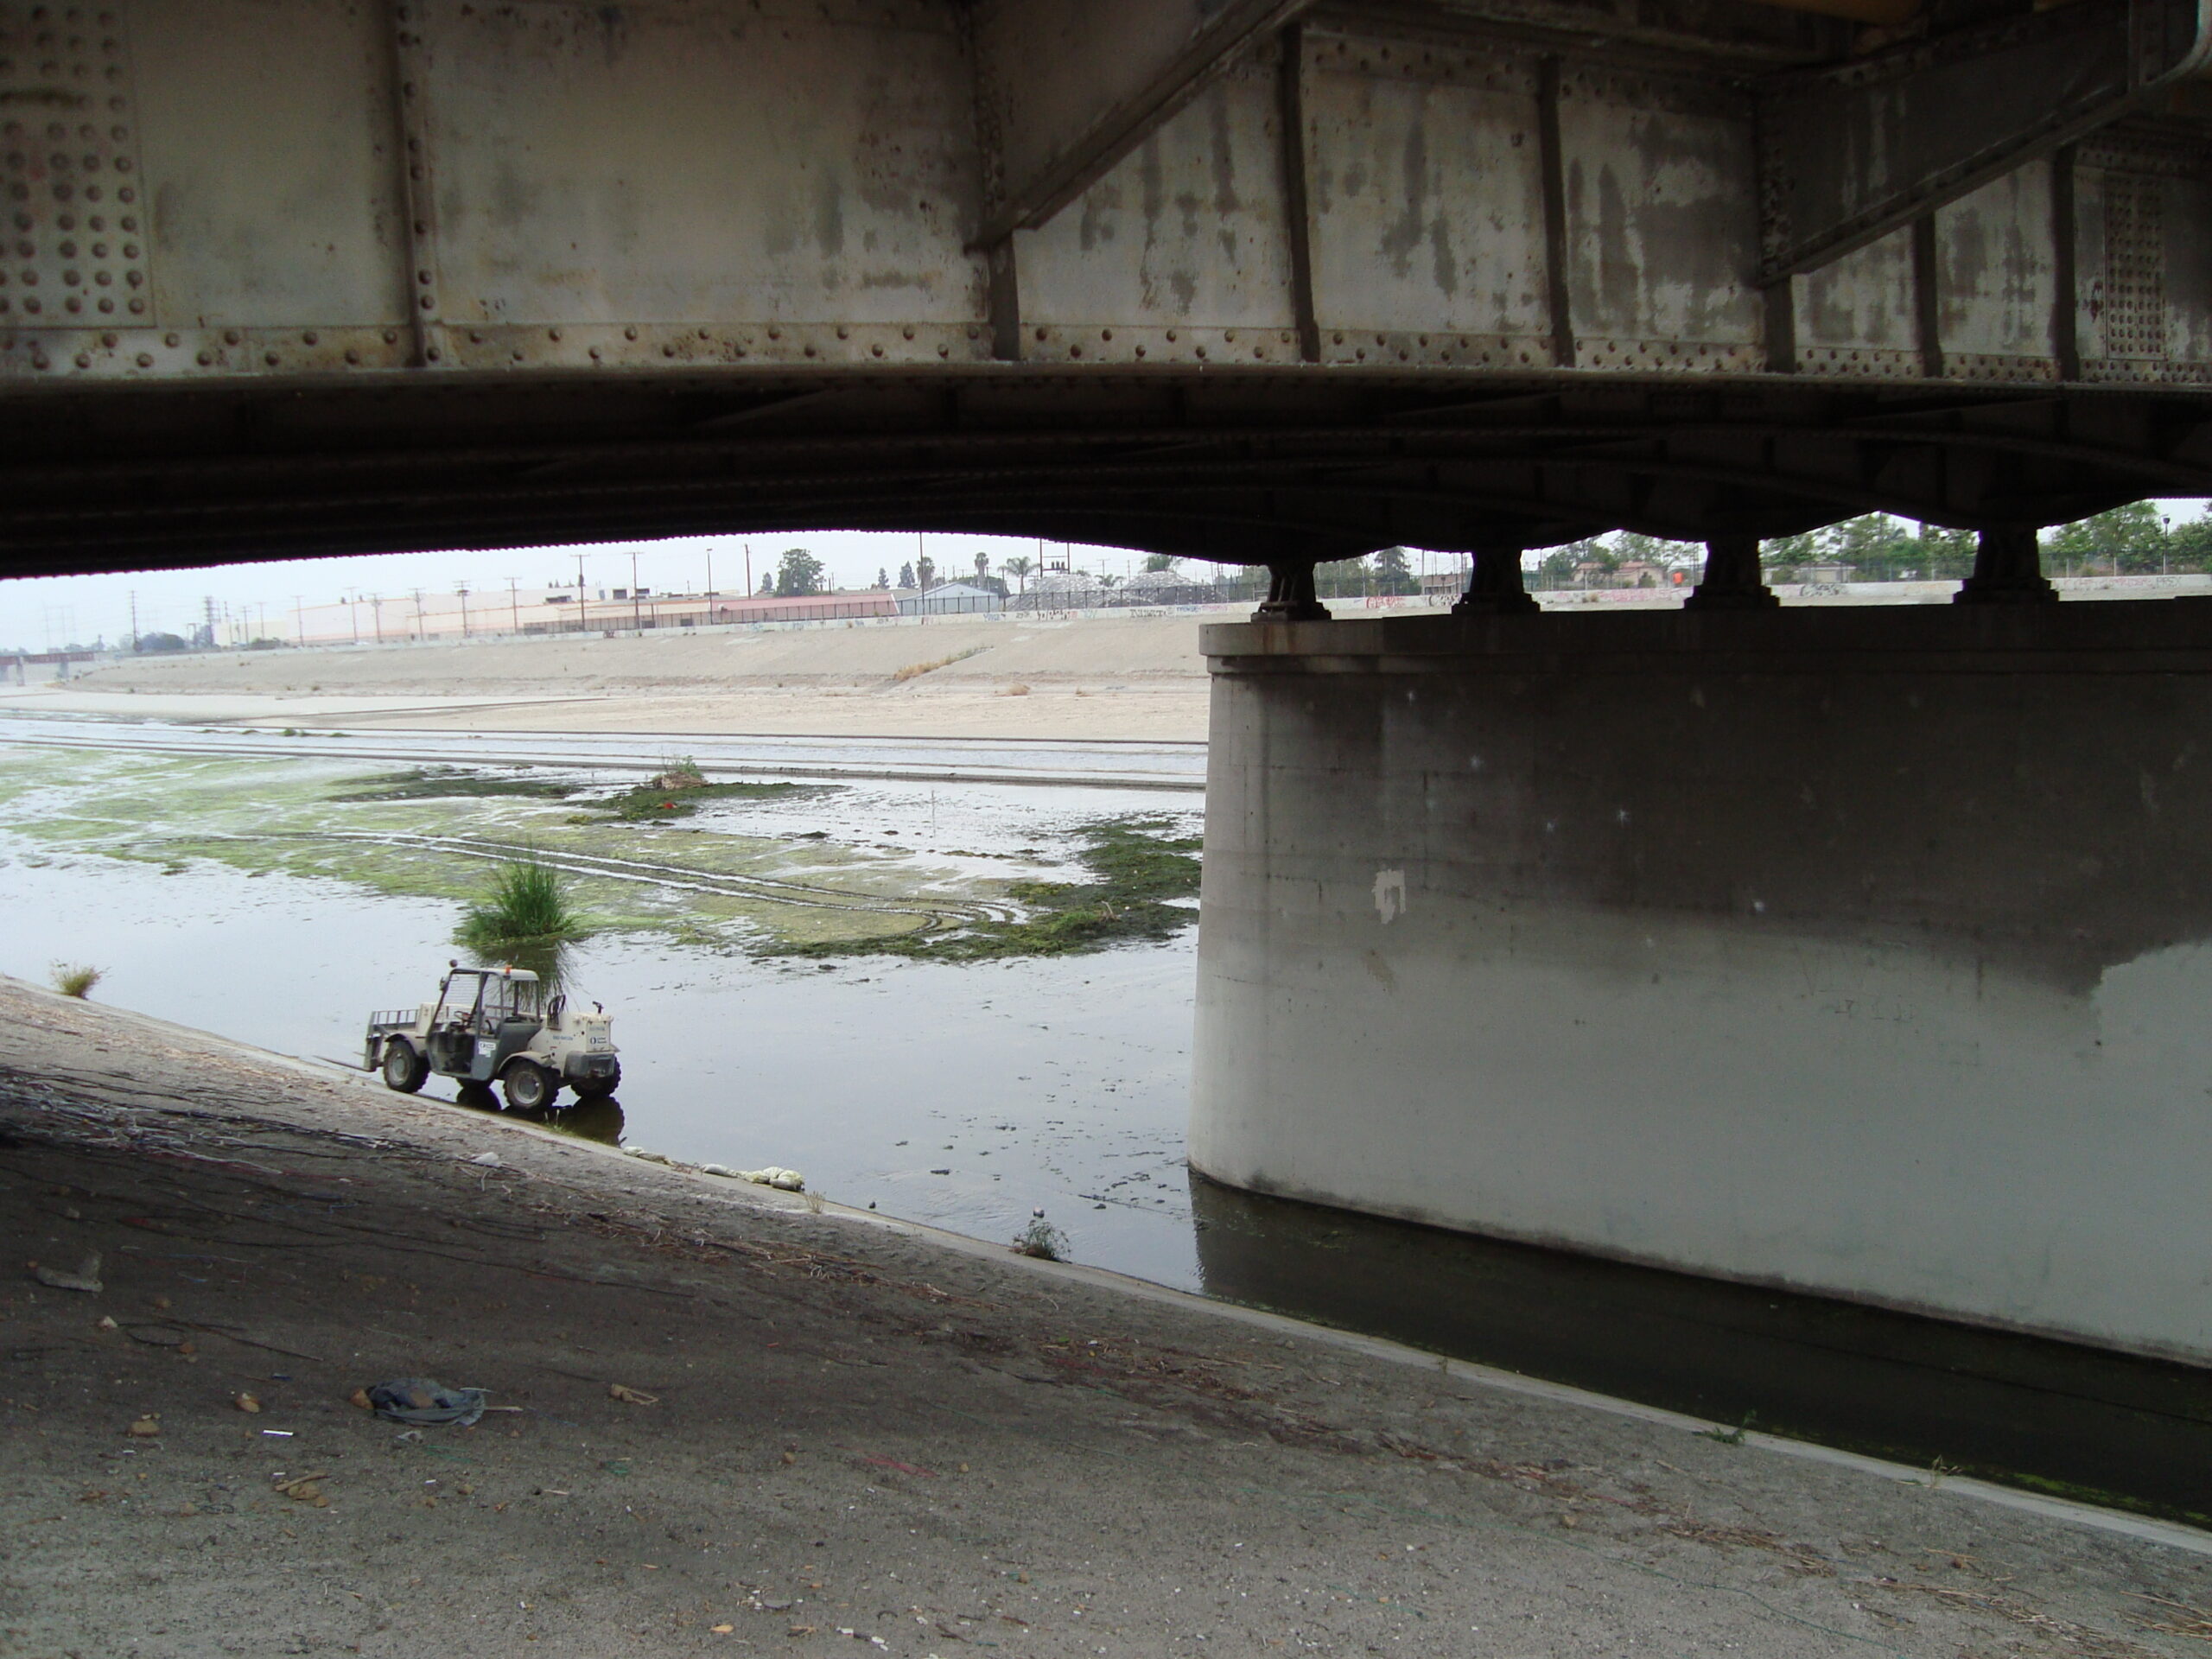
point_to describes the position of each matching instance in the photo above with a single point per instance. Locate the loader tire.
(403, 1069)
(597, 1088)
(528, 1086)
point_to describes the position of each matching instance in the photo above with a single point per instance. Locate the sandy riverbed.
(858, 1432)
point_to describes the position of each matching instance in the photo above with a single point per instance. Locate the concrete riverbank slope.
(1045, 677)
(839, 1430)
(1857, 951)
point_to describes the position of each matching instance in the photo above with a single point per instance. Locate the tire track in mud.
(938, 914)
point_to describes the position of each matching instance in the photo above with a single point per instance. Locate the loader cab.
(482, 1016)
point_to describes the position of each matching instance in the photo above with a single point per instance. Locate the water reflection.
(2046, 1415)
(589, 1120)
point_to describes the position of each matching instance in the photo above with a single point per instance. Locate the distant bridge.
(1264, 281)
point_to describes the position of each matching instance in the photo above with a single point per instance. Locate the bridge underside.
(1234, 465)
(1253, 279)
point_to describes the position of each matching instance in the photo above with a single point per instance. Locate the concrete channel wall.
(1858, 951)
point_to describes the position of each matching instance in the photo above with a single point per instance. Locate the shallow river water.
(962, 1094)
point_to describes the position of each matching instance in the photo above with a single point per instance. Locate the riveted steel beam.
(1849, 152)
(1066, 88)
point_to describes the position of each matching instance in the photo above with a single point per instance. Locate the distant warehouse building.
(950, 599)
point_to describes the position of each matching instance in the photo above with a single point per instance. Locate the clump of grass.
(655, 802)
(1041, 1239)
(428, 786)
(74, 979)
(915, 670)
(681, 772)
(525, 905)
(1139, 865)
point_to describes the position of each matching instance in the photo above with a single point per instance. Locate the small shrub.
(915, 670)
(1017, 689)
(524, 903)
(1042, 1240)
(679, 772)
(74, 979)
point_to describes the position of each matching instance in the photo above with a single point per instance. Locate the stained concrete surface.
(858, 1434)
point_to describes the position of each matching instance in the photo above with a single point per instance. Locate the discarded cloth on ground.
(420, 1401)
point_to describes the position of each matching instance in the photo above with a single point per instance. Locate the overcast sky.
(42, 614)
(48, 612)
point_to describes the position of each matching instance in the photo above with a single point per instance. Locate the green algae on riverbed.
(430, 833)
(653, 803)
(1139, 865)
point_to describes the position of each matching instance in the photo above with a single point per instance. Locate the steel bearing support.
(1495, 587)
(1290, 596)
(1732, 580)
(2007, 570)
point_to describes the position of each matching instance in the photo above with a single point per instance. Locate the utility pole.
(420, 632)
(461, 587)
(300, 618)
(637, 614)
(514, 603)
(376, 614)
(582, 604)
(710, 573)
(134, 618)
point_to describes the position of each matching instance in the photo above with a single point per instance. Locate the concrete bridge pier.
(1866, 952)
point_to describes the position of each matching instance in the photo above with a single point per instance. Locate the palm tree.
(1018, 568)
